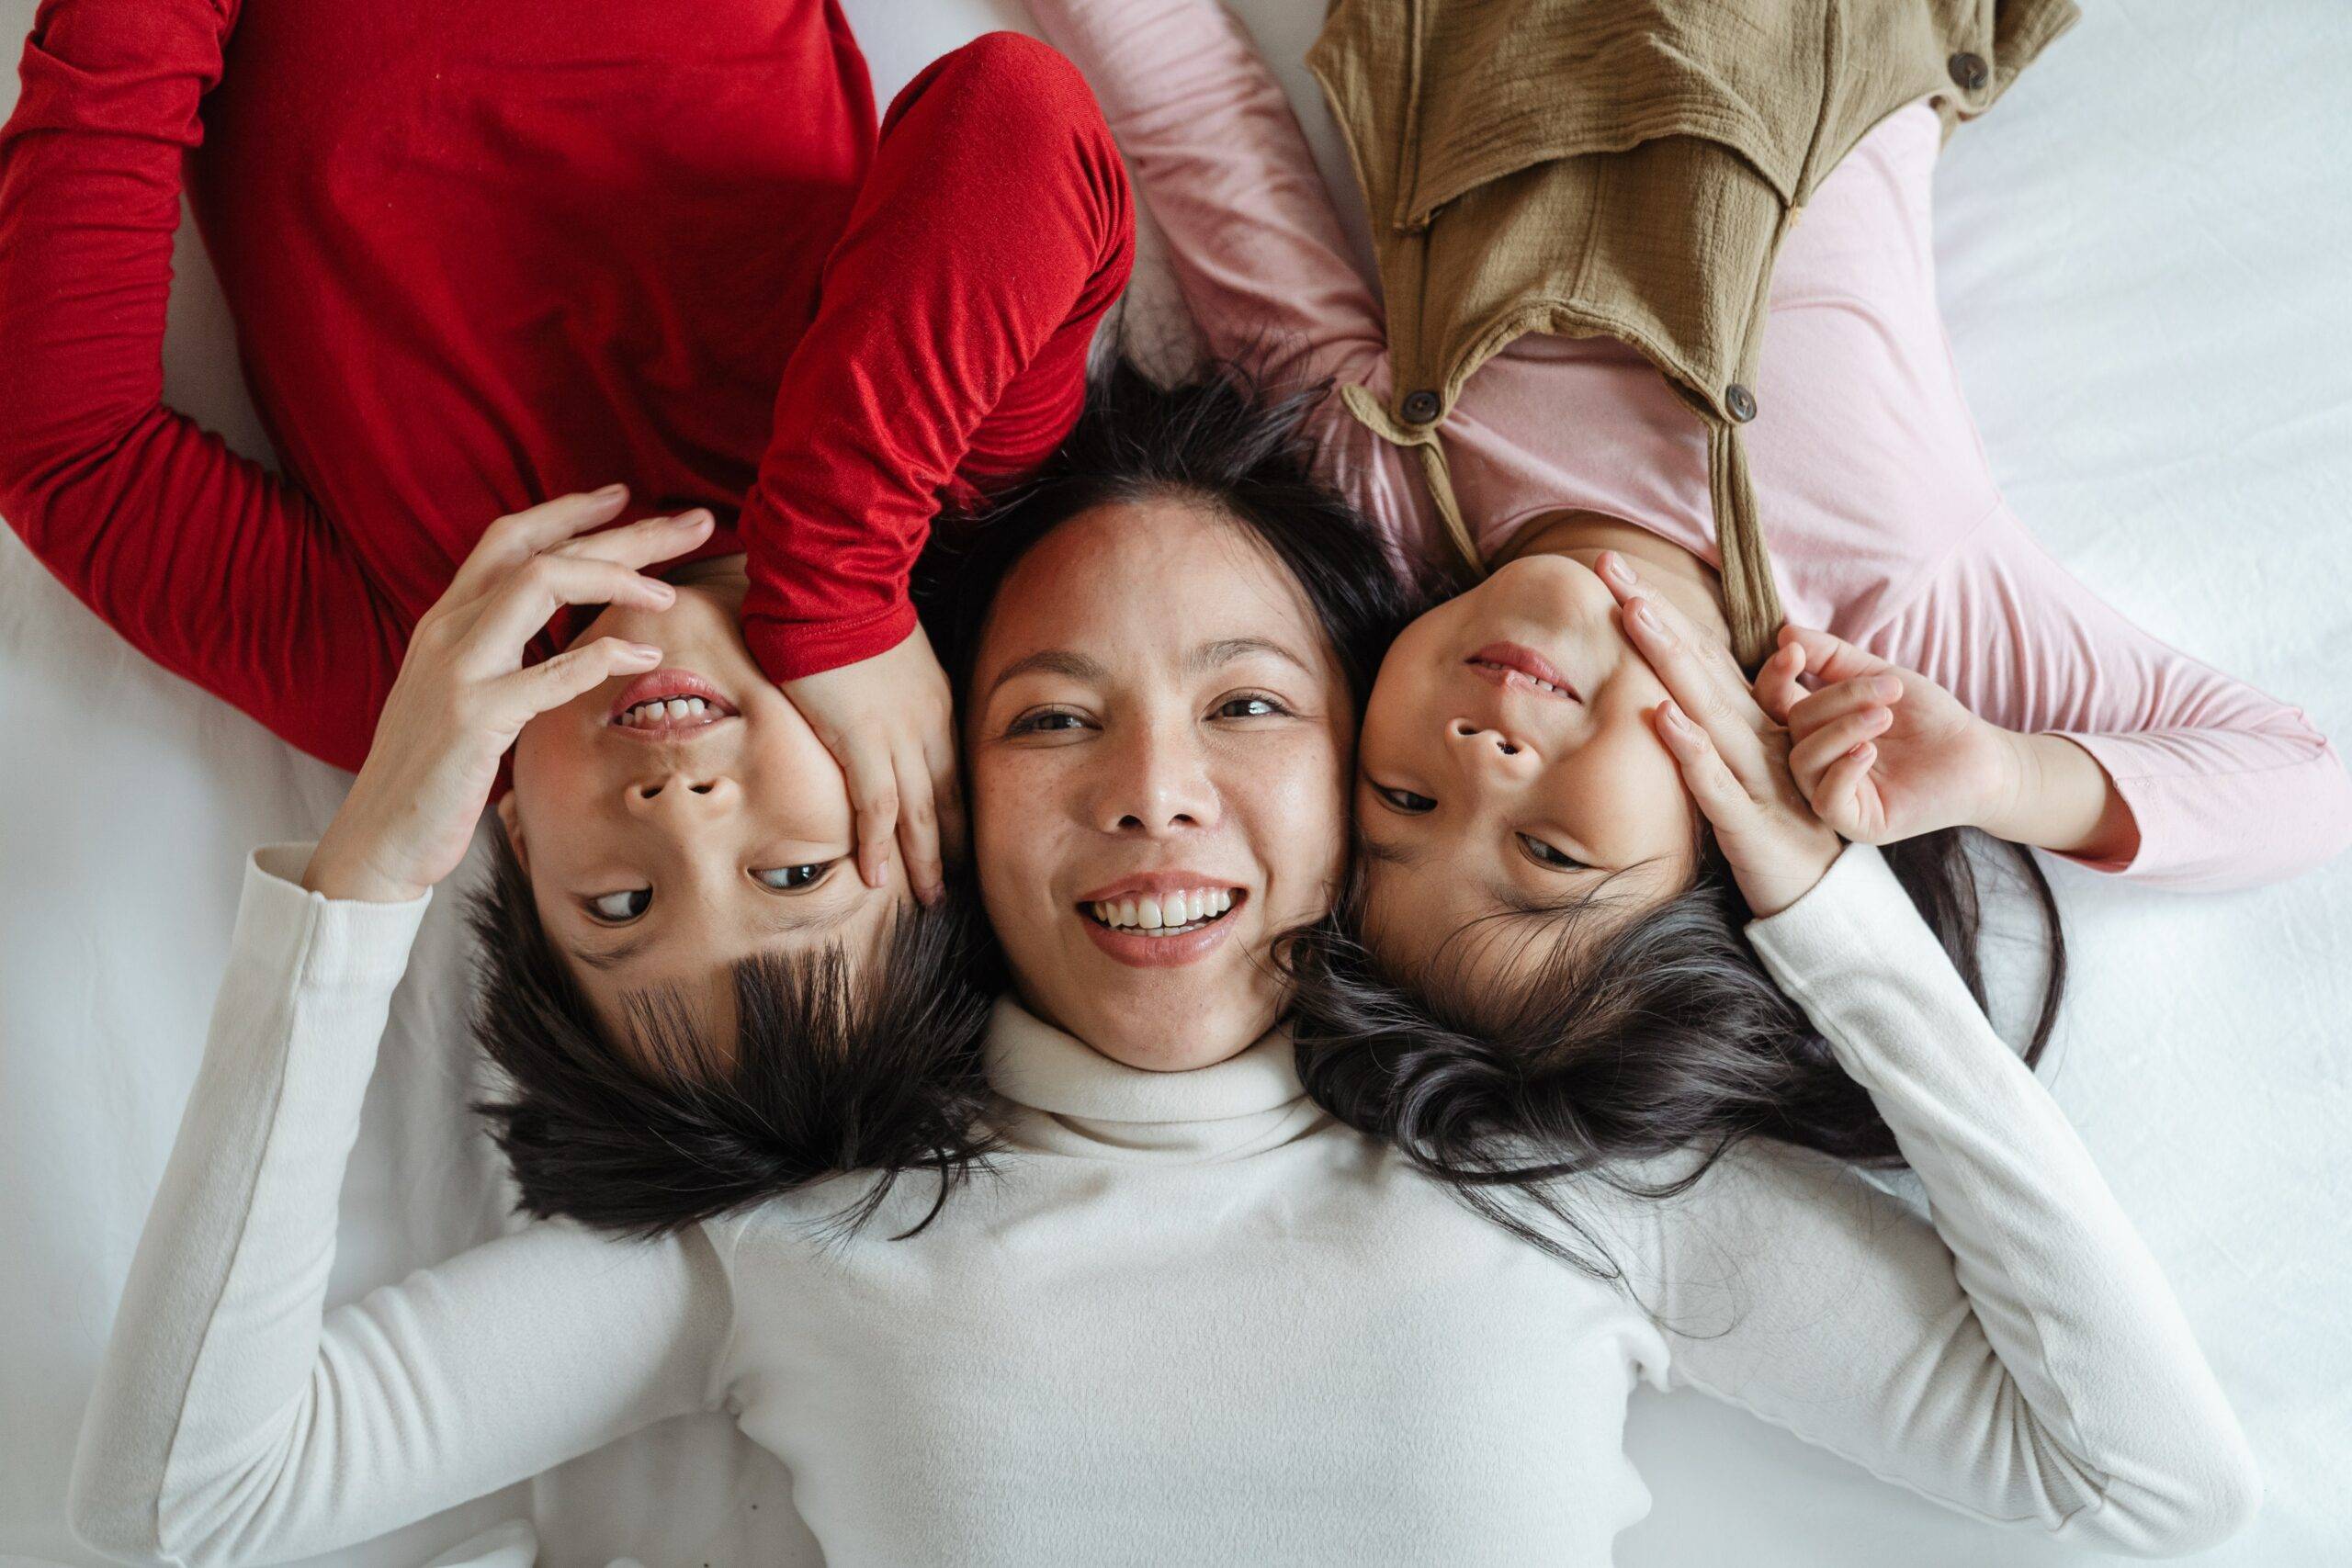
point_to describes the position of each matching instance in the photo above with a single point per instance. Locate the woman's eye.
(1050, 722)
(1542, 854)
(1254, 705)
(1404, 800)
(793, 878)
(617, 908)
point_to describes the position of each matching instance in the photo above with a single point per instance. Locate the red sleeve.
(948, 348)
(216, 568)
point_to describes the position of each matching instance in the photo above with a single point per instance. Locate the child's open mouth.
(668, 704)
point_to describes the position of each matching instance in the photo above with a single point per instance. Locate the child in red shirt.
(484, 255)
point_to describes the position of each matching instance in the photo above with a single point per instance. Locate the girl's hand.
(1734, 758)
(1883, 752)
(463, 694)
(888, 722)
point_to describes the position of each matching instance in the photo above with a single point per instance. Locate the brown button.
(1420, 407)
(1968, 70)
(1740, 401)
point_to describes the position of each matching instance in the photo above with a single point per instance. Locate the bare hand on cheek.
(887, 721)
(1734, 758)
(463, 693)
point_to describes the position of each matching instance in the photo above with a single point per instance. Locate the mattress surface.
(2142, 264)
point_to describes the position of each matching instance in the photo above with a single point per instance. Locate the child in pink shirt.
(1886, 529)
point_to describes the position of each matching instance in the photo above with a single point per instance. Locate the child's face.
(662, 850)
(1482, 799)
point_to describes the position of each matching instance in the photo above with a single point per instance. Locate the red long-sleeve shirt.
(481, 254)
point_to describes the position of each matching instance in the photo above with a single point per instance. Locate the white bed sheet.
(2144, 266)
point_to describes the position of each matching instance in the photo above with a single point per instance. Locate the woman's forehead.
(1164, 574)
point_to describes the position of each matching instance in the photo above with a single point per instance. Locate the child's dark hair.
(1230, 437)
(832, 1068)
(1663, 1034)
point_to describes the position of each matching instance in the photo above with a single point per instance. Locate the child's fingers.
(919, 824)
(1778, 688)
(1722, 798)
(874, 797)
(1836, 798)
(1832, 658)
(1838, 701)
(947, 798)
(1811, 757)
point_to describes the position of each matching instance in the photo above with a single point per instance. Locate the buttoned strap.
(1370, 414)
(1750, 601)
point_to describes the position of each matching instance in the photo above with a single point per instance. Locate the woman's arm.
(1253, 237)
(232, 1421)
(217, 569)
(2021, 1357)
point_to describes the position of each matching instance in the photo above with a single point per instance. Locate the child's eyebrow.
(1373, 848)
(611, 958)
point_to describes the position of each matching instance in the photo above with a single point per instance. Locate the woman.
(1538, 888)
(1188, 1317)
(478, 259)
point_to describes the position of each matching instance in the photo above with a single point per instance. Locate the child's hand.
(463, 694)
(888, 722)
(1883, 752)
(1734, 757)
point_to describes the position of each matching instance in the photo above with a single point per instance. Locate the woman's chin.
(1175, 1030)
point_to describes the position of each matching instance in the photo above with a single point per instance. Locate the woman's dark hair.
(1659, 1037)
(1230, 436)
(832, 1068)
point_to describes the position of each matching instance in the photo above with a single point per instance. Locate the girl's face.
(1508, 766)
(662, 850)
(1157, 739)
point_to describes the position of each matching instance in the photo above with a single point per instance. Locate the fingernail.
(1643, 618)
(1613, 567)
(1674, 717)
(612, 493)
(1862, 752)
(694, 519)
(643, 651)
(1886, 688)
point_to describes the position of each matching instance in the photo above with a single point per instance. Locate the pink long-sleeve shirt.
(1884, 519)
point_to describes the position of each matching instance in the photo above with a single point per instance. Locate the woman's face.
(664, 845)
(1157, 736)
(1508, 765)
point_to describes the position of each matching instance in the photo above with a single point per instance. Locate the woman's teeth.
(1168, 915)
(676, 710)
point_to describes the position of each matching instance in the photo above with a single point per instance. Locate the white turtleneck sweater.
(1189, 1320)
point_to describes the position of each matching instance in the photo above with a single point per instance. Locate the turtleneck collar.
(1058, 1095)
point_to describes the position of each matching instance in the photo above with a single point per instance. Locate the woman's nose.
(1155, 786)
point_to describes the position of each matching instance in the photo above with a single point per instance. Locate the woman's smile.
(1162, 919)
